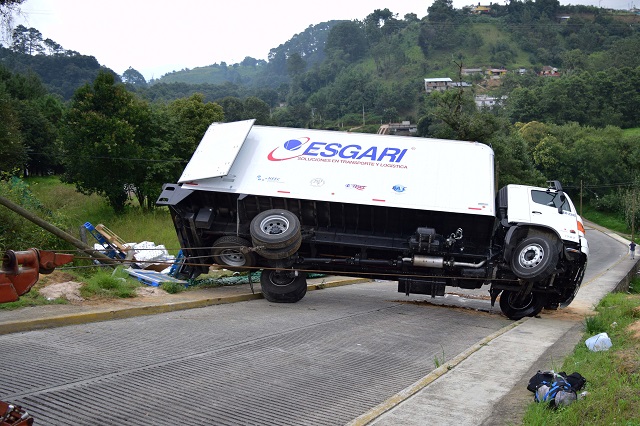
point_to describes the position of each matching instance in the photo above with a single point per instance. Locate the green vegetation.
(613, 376)
(62, 205)
(172, 288)
(109, 283)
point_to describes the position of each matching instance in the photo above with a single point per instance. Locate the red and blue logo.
(294, 148)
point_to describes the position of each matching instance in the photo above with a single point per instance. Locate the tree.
(441, 11)
(53, 48)
(232, 107)
(258, 109)
(27, 40)
(295, 65)
(179, 128)
(107, 141)
(13, 154)
(8, 8)
(348, 38)
(133, 78)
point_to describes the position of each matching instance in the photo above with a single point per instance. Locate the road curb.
(18, 326)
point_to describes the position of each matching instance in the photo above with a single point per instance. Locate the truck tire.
(283, 286)
(231, 253)
(280, 253)
(535, 257)
(275, 229)
(516, 306)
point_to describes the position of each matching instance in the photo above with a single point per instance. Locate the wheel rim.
(232, 257)
(518, 302)
(282, 278)
(531, 256)
(274, 225)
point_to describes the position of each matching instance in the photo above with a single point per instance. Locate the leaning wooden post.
(57, 231)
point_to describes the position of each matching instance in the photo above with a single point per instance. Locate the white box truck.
(422, 212)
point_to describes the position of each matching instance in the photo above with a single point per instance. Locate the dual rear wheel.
(276, 234)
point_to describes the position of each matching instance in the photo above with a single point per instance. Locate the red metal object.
(14, 415)
(21, 270)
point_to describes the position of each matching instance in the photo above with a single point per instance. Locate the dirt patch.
(148, 291)
(634, 328)
(55, 277)
(69, 290)
(61, 285)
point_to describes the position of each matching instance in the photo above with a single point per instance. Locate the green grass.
(134, 226)
(613, 376)
(611, 221)
(110, 284)
(631, 132)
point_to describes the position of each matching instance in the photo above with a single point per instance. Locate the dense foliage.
(123, 140)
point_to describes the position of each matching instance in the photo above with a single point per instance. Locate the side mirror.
(563, 199)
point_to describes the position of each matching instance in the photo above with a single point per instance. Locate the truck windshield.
(551, 199)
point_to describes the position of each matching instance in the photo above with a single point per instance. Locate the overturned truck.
(422, 212)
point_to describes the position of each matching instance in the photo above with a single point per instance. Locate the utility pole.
(580, 197)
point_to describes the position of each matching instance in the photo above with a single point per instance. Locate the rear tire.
(275, 229)
(231, 253)
(283, 285)
(516, 306)
(280, 253)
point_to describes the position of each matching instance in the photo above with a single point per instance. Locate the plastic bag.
(599, 342)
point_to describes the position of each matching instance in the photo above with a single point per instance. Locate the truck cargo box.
(394, 171)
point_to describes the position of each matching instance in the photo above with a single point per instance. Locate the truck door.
(555, 210)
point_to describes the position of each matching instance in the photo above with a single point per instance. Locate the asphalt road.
(322, 361)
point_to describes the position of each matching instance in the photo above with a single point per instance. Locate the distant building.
(439, 84)
(471, 71)
(442, 84)
(548, 71)
(496, 73)
(481, 9)
(399, 129)
(486, 101)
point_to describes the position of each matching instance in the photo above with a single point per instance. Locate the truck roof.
(324, 165)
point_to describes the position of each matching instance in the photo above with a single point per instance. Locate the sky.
(156, 37)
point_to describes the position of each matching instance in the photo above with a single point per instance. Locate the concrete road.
(326, 360)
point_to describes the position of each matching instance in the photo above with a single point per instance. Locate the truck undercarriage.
(289, 238)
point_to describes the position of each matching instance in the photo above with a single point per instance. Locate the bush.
(172, 288)
(18, 233)
(611, 202)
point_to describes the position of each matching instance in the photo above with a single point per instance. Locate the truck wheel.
(516, 306)
(280, 253)
(231, 252)
(283, 286)
(275, 229)
(534, 258)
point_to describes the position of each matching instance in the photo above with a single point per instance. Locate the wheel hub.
(274, 225)
(282, 278)
(233, 258)
(531, 256)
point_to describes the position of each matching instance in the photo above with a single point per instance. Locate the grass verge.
(613, 376)
(109, 284)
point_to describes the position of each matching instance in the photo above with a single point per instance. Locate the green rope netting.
(237, 278)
